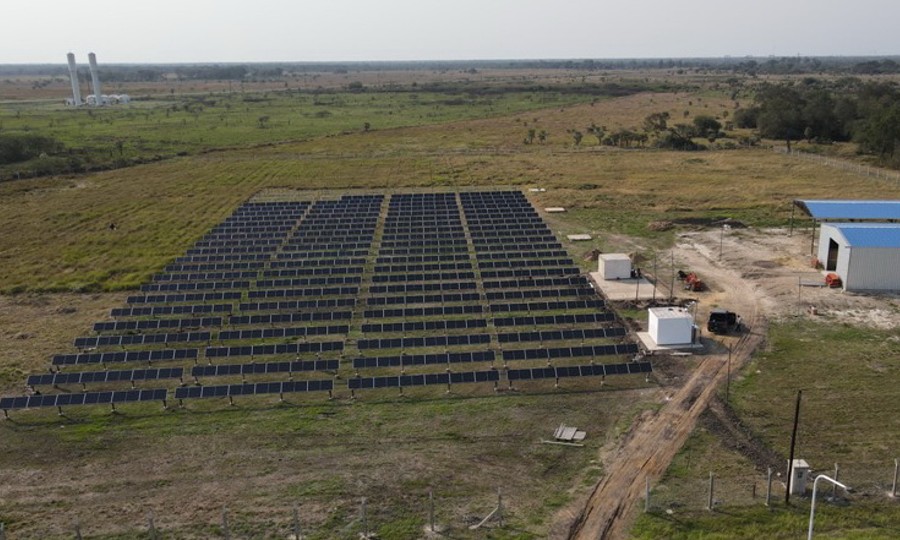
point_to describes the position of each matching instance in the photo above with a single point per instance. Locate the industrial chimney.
(95, 79)
(73, 75)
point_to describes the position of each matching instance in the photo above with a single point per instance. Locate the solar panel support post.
(768, 485)
(59, 411)
(430, 510)
(165, 405)
(151, 528)
(712, 484)
(894, 485)
(297, 533)
(225, 532)
(500, 507)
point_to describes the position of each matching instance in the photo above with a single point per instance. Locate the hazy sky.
(327, 30)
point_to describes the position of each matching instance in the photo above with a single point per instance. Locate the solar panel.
(271, 367)
(85, 398)
(361, 383)
(85, 377)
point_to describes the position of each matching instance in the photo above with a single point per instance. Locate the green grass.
(848, 416)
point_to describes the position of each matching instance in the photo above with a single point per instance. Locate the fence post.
(2, 531)
(647, 494)
(837, 470)
(365, 519)
(768, 486)
(225, 532)
(894, 487)
(78, 530)
(500, 507)
(712, 482)
(151, 527)
(431, 509)
(297, 534)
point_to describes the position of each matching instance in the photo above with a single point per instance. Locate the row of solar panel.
(195, 286)
(90, 342)
(423, 287)
(416, 259)
(206, 276)
(159, 355)
(405, 360)
(226, 250)
(223, 370)
(272, 333)
(354, 234)
(252, 229)
(157, 311)
(300, 282)
(548, 306)
(156, 324)
(186, 297)
(423, 250)
(268, 350)
(539, 293)
(316, 271)
(491, 247)
(291, 249)
(314, 291)
(592, 370)
(398, 268)
(535, 282)
(487, 265)
(407, 236)
(569, 352)
(251, 389)
(423, 380)
(279, 318)
(436, 242)
(501, 255)
(422, 312)
(418, 326)
(442, 276)
(423, 299)
(239, 257)
(86, 398)
(290, 305)
(312, 263)
(538, 320)
(86, 377)
(529, 272)
(559, 335)
(214, 267)
(414, 342)
(332, 253)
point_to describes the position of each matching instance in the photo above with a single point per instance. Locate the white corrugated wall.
(870, 269)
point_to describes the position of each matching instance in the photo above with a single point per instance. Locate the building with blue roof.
(865, 255)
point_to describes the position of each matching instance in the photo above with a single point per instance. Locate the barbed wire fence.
(843, 164)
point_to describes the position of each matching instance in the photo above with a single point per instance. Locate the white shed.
(865, 255)
(670, 326)
(614, 266)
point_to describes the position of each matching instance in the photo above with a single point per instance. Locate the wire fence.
(843, 164)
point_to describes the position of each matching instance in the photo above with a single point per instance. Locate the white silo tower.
(95, 79)
(73, 76)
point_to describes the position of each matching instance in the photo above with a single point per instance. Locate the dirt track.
(655, 439)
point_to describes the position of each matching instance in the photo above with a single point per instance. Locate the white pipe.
(812, 507)
(73, 76)
(95, 79)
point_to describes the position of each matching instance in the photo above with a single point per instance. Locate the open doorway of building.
(831, 263)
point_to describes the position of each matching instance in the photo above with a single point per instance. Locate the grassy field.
(260, 458)
(849, 416)
(57, 229)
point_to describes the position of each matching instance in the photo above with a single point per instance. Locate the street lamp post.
(812, 507)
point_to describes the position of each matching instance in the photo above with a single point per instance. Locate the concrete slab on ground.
(554, 209)
(624, 289)
(651, 345)
(579, 237)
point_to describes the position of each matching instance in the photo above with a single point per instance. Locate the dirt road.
(655, 439)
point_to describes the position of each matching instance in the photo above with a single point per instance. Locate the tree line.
(867, 113)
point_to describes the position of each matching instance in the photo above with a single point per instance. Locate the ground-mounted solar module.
(412, 285)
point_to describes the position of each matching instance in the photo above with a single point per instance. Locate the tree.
(707, 126)
(542, 136)
(596, 131)
(780, 113)
(577, 136)
(367, 126)
(530, 137)
(656, 122)
(263, 121)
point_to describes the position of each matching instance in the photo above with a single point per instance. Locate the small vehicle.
(722, 321)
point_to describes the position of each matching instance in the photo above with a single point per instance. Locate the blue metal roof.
(847, 209)
(870, 235)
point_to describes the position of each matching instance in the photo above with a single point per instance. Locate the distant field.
(58, 237)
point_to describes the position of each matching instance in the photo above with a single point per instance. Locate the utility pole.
(787, 492)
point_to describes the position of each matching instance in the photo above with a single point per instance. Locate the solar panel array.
(402, 290)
